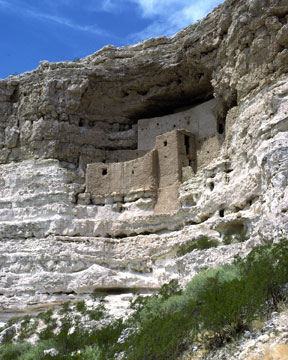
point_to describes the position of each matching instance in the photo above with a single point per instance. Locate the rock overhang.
(78, 113)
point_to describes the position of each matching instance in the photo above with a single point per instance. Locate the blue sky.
(57, 30)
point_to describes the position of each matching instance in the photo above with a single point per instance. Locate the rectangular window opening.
(187, 144)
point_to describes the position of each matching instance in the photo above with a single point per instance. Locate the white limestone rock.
(57, 242)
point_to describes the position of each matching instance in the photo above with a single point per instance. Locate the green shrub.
(200, 282)
(266, 268)
(81, 307)
(222, 302)
(97, 312)
(235, 233)
(170, 289)
(225, 310)
(46, 316)
(201, 243)
(66, 341)
(13, 351)
(48, 332)
(91, 353)
(164, 338)
(28, 328)
(65, 308)
(229, 306)
(158, 307)
(106, 338)
(158, 304)
(37, 352)
(98, 295)
(216, 305)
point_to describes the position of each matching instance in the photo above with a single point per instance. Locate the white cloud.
(151, 8)
(170, 16)
(163, 8)
(108, 6)
(166, 17)
(31, 12)
(93, 29)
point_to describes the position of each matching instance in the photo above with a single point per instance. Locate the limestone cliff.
(58, 241)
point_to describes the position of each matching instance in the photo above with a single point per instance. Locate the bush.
(202, 243)
(235, 233)
(106, 339)
(225, 310)
(37, 352)
(201, 281)
(148, 307)
(46, 316)
(163, 338)
(28, 327)
(266, 268)
(217, 305)
(13, 321)
(229, 306)
(13, 351)
(68, 340)
(65, 308)
(98, 295)
(91, 353)
(97, 312)
(81, 307)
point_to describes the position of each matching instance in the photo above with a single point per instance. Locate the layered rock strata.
(56, 242)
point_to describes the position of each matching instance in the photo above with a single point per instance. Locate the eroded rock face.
(56, 243)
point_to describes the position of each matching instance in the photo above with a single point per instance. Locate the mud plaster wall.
(124, 177)
(207, 150)
(160, 170)
(106, 156)
(173, 154)
(176, 149)
(200, 120)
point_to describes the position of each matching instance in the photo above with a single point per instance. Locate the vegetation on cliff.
(216, 306)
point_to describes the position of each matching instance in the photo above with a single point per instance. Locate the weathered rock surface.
(56, 243)
(268, 342)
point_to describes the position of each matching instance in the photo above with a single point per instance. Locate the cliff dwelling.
(142, 165)
(170, 148)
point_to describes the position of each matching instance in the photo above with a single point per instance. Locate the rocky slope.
(57, 244)
(267, 341)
